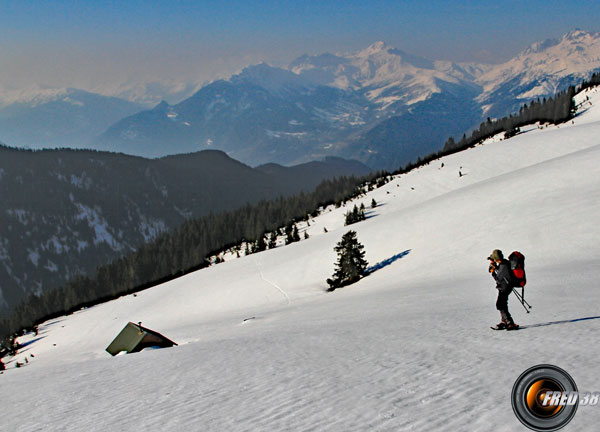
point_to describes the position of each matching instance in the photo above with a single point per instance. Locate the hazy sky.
(88, 44)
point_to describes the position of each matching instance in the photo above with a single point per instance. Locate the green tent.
(134, 338)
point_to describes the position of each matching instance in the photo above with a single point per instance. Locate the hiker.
(500, 270)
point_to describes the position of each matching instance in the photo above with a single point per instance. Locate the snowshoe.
(499, 326)
(512, 326)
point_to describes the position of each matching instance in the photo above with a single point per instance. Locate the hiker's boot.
(512, 326)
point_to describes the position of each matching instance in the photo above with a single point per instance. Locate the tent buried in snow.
(134, 338)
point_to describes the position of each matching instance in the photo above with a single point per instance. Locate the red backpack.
(517, 266)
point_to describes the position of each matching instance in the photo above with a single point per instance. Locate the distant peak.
(374, 49)
(162, 105)
(575, 34)
(258, 69)
(538, 47)
(578, 35)
(259, 66)
(377, 47)
(574, 37)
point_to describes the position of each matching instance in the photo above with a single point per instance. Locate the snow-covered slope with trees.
(408, 348)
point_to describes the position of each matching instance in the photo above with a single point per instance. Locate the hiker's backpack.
(517, 267)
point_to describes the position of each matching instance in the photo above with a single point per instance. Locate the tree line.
(555, 110)
(186, 249)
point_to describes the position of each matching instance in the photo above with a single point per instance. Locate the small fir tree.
(355, 215)
(289, 237)
(260, 244)
(351, 264)
(295, 234)
(373, 203)
(273, 240)
(291, 234)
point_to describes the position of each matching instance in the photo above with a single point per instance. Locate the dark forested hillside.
(185, 249)
(65, 212)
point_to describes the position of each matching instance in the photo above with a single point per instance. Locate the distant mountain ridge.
(49, 118)
(65, 212)
(380, 105)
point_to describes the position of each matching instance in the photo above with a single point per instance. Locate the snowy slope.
(407, 348)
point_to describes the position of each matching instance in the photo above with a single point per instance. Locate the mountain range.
(382, 106)
(66, 212)
(55, 118)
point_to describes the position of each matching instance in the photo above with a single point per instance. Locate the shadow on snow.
(559, 322)
(387, 262)
(23, 345)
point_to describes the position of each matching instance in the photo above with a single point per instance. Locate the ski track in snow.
(407, 348)
(277, 287)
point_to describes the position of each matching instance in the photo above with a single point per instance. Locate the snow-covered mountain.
(263, 347)
(541, 70)
(377, 105)
(316, 107)
(146, 94)
(149, 94)
(385, 74)
(47, 117)
(40, 117)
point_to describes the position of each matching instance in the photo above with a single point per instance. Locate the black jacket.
(503, 277)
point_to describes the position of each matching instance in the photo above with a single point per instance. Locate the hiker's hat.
(496, 255)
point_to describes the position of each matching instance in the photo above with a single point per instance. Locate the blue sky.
(84, 43)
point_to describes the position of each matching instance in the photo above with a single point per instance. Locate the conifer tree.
(355, 215)
(295, 233)
(272, 240)
(291, 234)
(351, 264)
(260, 244)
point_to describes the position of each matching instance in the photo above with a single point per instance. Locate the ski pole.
(525, 307)
(522, 301)
(519, 297)
(523, 298)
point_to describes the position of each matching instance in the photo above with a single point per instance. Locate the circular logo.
(544, 398)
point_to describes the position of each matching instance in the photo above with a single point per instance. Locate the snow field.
(406, 349)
